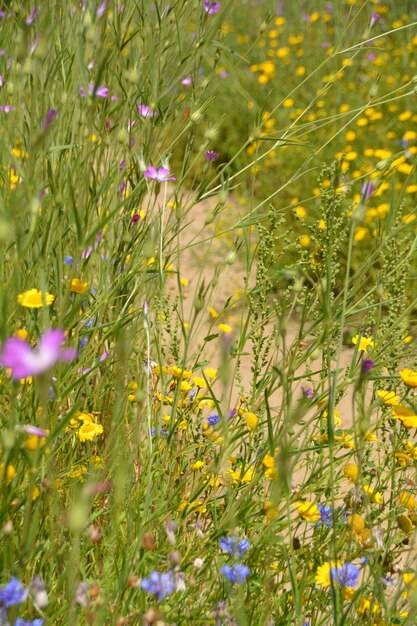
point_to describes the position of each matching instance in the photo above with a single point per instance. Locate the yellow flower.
(185, 386)
(239, 477)
(199, 382)
(78, 286)
(197, 506)
(407, 500)
(388, 397)
(251, 420)
(405, 524)
(196, 466)
(402, 458)
(10, 472)
(271, 511)
(177, 372)
(22, 333)
(323, 575)
(406, 415)
(351, 471)
(210, 372)
(80, 472)
(88, 431)
(225, 328)
(35, 299)
(33, 442)
(409, 377)
(356, 522)
(374, 496)
(307, 511)
(364, 343)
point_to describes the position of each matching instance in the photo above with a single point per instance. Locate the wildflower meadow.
(208, 312)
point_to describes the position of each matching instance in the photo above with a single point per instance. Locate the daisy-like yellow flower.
(78, 286)
(364, 343)
(351, 471)
(374, 496)
(388, 397)
(177, 372)
(251, 420)
(307, 510)
(409, 377)
(89, 431)
(35, 299)
(323, 575)
(407, 500)
(406, 415)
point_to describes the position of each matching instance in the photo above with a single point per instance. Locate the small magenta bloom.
(18, 355)
(237, 573)
(31, 17)
(187, 80)
(211, 155)
(161, 174)
(145, 111)
(375, 17)
(93, 90)
(308, 393)
(49, 118)
(367, 365)
(13, 593)
(34, 430)
(159, 584)
(211, 7)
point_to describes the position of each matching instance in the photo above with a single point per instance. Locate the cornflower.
(233, 546)
(237, 573)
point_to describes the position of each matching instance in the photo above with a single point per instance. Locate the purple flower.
(34, 430)
(31, 17)
(212, 420)
(326, 515)
(211, 155)
(375, 17)
(135, 218)
(13, 593)
(237, 573)
(161, 174)
(93, 90)
(159, 584)
(367, 365)
(346, 575)
(308, 393)
(145, 111)
(102, 8)
(23, 622)
(233, 546)
(187, 80)
(49, 118)
(367, 191)
(211, 7)
(18, 355)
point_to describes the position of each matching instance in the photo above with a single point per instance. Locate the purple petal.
(151, 172)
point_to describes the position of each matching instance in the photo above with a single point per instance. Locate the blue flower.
(68, 260)
(214, 419)
(21, 622)
(237, 573)
(160, 584)
(346, 575)
(232, 546)
(13, 593)
(326, 515)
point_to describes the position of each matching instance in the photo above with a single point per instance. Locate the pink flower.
(211, 7)
(186, 81)
(18, 355)
(145, 111)
(93, 90)
(161, 174)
